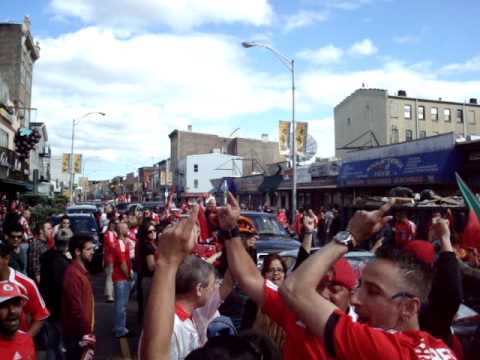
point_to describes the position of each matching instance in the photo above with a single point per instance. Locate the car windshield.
(267, 225)
(83, 224)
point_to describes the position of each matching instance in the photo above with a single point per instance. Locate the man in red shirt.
(121, 276)
(392, 289)
(77, 313)
(109, 239)
(405, 230)
(14, 343)
(34, 312)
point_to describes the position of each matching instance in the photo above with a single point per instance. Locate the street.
(108, 347)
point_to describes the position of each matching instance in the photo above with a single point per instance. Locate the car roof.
(75, 215)
(256, 213)
(82, 206)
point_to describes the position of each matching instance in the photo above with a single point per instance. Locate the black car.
(127, 208)
(272, 236)
(155, 206)
(86, 224)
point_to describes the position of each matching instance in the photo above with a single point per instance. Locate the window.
(195, 168)
(395, 138)
(423, 134)
(195, 184)
(459, 116)
(421, 113)
(434, 113)
(447, 115)
(471, 117)
(407, 111)
(3, 138)
(408, 135)
(349, 121)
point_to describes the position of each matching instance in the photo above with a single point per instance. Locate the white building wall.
(198, 170)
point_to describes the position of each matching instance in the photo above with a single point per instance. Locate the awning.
(15, 185)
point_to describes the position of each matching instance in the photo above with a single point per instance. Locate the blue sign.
(424, 168)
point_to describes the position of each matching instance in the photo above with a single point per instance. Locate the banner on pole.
(284, 137)
(301, 132)
(66, 163)
(77, 163)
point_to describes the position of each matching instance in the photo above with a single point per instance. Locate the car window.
(83, 224)
(267, 225)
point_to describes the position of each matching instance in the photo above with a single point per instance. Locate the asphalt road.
(108, 347)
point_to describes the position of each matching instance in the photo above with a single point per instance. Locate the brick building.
(256, 153)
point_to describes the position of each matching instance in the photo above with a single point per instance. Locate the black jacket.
(53, 264)
(445, 298)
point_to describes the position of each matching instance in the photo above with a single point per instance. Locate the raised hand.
(308, 223)
(229, 214)
(177, 241)
(365, 223)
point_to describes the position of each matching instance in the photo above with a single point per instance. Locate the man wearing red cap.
(14, 343)
(300, 342)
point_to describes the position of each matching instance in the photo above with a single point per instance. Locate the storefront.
(13, 174)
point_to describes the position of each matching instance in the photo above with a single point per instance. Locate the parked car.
(272, 236)
(156, 206)
(126, 208)
(82, 209)
(86, 224)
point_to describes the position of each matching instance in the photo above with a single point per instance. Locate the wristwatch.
(345, 238)
(228, 234)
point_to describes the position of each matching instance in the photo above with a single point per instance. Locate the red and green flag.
(471, 234)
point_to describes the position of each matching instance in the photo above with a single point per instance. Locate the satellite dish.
(311, 149)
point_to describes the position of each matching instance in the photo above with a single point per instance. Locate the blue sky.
(157, 65)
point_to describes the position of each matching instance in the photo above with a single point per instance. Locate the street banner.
(284, 137)
(301, 132)
(77, 163)
(66, 163)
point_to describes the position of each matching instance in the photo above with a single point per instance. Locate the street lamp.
(75, 122)
(290, 65)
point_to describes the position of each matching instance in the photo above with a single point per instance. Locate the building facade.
(162, 180)
(18, 53)
(196, 171)
(40, 161)
(255, 153)
(372, 117)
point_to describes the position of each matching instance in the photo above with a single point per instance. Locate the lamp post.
(290, 65)
(72, 172)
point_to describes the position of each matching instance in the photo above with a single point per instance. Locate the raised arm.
(241, 265)
(299, 289)
(174, 244)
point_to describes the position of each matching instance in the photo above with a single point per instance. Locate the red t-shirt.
(404, 232)
(20, 347)
(352, 340)
(35, 308)
(109, 239)
(120, 254)
(299, 342)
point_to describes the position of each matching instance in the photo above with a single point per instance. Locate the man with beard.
(388, 300)
(14, 343)
(77, 307)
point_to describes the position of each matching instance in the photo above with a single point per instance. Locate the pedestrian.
(388, 300)
(38, 246)
(405, 230)
(14, 236)
(53, 265)
(109, 239)
(122, 276)
(147, 237)
(77, 306)
(64, 224)
(14, 343)
(34, 312)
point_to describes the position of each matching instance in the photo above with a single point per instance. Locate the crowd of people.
(193, 273)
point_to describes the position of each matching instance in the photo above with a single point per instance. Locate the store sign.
(431, 167)
(331, 168)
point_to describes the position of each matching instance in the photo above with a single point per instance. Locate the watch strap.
(228, 234)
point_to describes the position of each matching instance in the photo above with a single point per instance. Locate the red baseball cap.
(9, 290)
(344, 275)
(422, 249)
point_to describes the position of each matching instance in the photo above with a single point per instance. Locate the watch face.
(343, 236)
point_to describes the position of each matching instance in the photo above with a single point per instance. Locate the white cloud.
(304, 18)
(148, 85)
(179, 15)
(469, 65)
(406, 39)
(323, 131)
(364, 48)
(324, 55)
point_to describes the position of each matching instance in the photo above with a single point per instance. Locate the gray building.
(255, 153)
(372, 117)
(18, 53)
